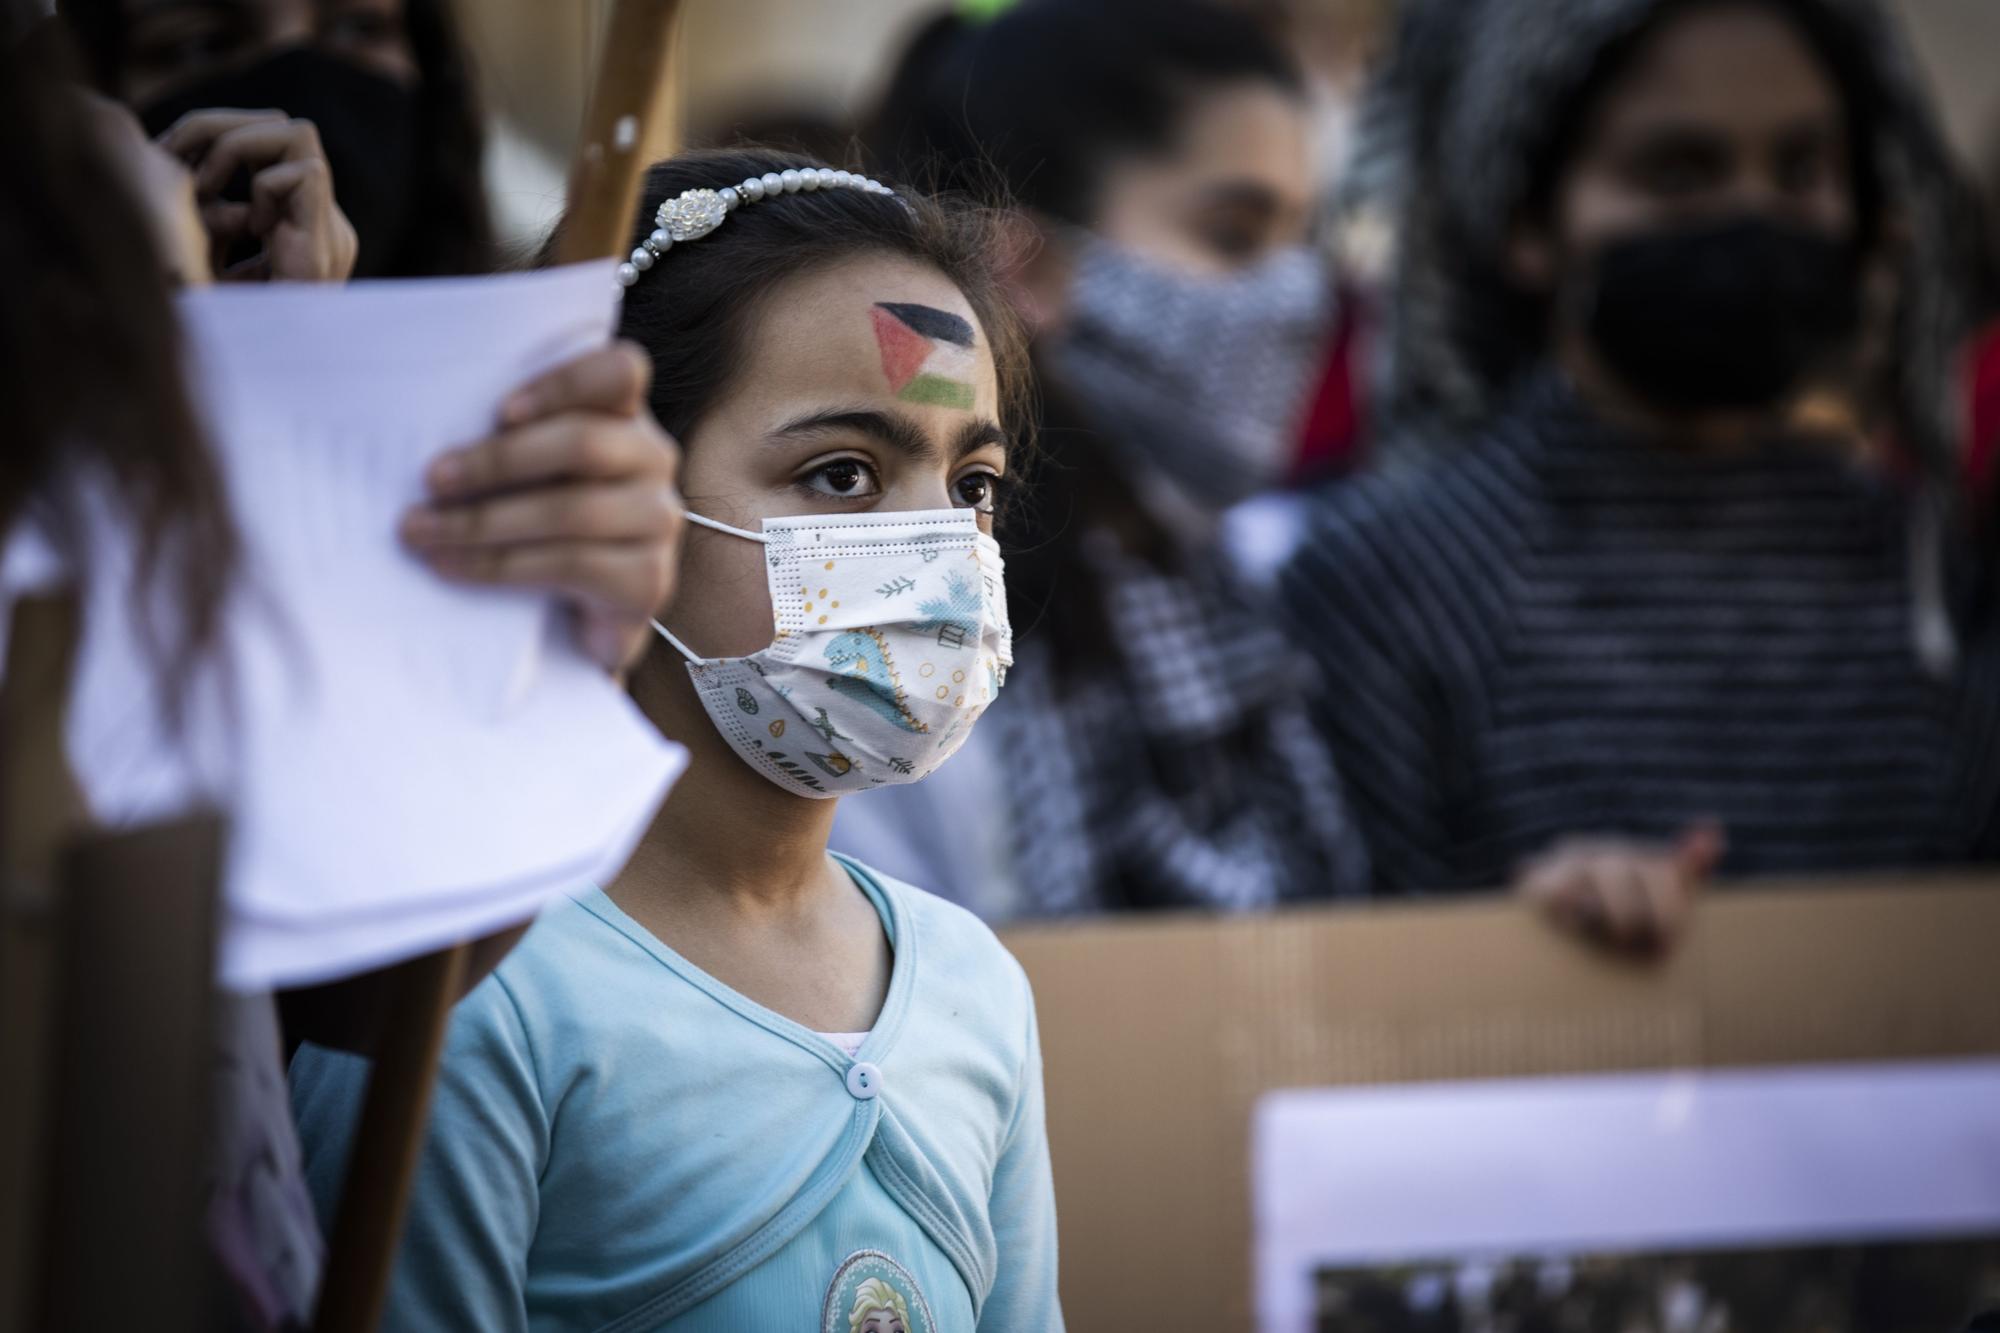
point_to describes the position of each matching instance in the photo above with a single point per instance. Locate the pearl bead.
(752, 189)
(808, 181)
(793, 181)
(730, 199)
(642, 259)
(627, 275)
(662, 239)
(773, 183)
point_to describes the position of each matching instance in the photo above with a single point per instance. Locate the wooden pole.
(632, 83)
(361, 1253)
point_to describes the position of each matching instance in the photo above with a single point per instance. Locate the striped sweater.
(1556, 629)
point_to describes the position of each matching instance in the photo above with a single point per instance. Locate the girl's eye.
(843, 478)
(978, 490)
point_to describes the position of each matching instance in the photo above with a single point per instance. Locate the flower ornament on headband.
(693, 214)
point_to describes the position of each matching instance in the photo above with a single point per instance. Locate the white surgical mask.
(891, 640)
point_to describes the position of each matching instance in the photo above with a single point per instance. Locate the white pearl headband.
(693, 214)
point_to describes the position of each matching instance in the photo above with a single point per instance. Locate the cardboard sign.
(1160, 1035)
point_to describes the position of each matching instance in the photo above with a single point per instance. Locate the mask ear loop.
(694, 658)
(713, 525)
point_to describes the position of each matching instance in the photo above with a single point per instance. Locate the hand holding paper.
(405, 762)
(575, 493)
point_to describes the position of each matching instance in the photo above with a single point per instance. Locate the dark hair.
(693, 311)
(453, 232)
(90, 367)
(1045, 96)
(454, 228)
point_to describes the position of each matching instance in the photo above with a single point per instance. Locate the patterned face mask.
(891, 640)
(1203, 378)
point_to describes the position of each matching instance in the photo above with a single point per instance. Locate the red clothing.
(1982, 459)
(1332, 439)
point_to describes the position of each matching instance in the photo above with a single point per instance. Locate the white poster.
(1828, 1199)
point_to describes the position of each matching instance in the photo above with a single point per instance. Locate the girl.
(1154, 750)
(1634, 588)
(747, 1079)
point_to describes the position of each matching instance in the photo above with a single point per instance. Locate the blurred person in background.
(83, 182)
(1154, 748)
(382, 89)
(1633, 605)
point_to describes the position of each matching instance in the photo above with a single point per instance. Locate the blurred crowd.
(1540, 446)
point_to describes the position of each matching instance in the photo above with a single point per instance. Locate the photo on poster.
(1836, 1199)
(1932, 1286)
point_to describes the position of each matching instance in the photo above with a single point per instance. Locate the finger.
(257, 268)
(566, 447)
(1560, 887)
(189, 137)
(300, 191)
(1701, 849)
(225, 218)
(1620, 892)
(616, 642)
(255, 146)
(1667, 899)
(612, 379)
(632, 580)
(633, 512)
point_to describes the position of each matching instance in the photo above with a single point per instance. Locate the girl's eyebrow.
(894, 431)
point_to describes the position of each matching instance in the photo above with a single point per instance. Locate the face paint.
(927, 354)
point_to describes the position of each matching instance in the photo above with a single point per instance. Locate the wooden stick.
(632, 83)
(361, 1252)
(134, 1070)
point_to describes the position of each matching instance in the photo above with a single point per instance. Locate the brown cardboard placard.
(1159, 1035)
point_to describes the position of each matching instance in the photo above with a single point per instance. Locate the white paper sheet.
(1363, 1177)
(405, 762)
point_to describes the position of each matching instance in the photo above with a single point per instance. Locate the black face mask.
(1729, 315)
(367, 123)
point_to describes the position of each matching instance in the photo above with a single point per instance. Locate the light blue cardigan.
(619, 1141)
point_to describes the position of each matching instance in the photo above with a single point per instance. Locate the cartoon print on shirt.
(872, 1293)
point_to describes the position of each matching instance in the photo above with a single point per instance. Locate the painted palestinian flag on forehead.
(926, 353)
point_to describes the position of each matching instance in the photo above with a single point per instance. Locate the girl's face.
(172, 43)
(1240, 182)
(865, 387)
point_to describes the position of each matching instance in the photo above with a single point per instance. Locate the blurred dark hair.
(694, 310)
(455, 232)
(1042, 99)
(90, 365)
(454, 229)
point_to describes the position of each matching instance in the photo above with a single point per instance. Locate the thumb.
(1700, 849)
